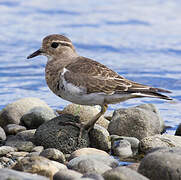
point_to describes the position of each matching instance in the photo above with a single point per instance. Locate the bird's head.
(54, 46)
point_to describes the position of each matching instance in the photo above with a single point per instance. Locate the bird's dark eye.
(54, 45)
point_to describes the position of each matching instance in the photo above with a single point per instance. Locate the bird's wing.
(97, 78)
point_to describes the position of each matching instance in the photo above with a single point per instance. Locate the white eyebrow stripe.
(63, 42)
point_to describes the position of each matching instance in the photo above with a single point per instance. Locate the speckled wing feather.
(97, 78)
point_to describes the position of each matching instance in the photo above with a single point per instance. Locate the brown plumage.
(85, 81)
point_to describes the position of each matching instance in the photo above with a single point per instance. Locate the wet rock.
(87, 151)
(99, 138)
(12, 129)
(53, 154)
(86, 113)
(123, 173)
(2, 135)
(39, 165)
(13, 112)
(140, 121)
(37, 116)
(27, 135)
(178, 131)
(122, 148)
(9, 174)
(164, 140)
(92, 163)
(67, 174)
(92, 176)
(6, 149)
(159, 165)
(64, 137)
(132, 140)
(20, 144)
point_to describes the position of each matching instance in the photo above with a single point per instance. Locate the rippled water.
(139, 39)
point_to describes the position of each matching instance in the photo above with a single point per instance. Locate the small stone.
(6, 149)
(140, 122)
(133, 166)
(39, 165)
(27, 135)
(37, 116)
(13, 112)
(164, 140)
(38, 149)
(122, 149)
(86, 113)
(123, 173)
(53, 154)
(21, 145)
(92, 176)
(12, 129)
(162, 164)
(87, 151)
(67, 174)
(99, 138)
(9, 174)
(2, 135)
(56, 134)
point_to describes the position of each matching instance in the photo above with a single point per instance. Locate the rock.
(7, 162)
(13, 112)
(53, 154)
(12, 129)
(164, 140)
(67, 174)
(92, 163)
(2, 135)
(140, 122)
(21, 145)
(38, 149)
(6, 149)
(86, 113)
(99, 138)
(132, 140)
(133, 166)
(27, 135)
(39, 165)
(159, 165)
(37, 116)
(123, 173)
(87, 151)
(92, 176)
(57, 134)
(9, 174)
(122, 148)
(178, 130)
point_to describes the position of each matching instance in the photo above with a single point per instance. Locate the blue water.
(139, 39)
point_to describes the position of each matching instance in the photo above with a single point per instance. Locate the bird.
(84, 81)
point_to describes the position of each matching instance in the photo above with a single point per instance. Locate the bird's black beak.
(36, 53)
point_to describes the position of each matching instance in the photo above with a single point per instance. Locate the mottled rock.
(132, 140)
(13, 112)
(12, 129)
(159, 165)
(39, 165)
(178, 130)
(86, 113)
(122, 148)
(67, 174)
(53, 154)
(2, 135)
(6, 149)
(20, 144)
(92, 163)
(87, 151)
(56, 134)
(27, 135)
(9, 174)
(123, 173)
(37, 116)
(164, 140)
(140, 121)
(99, 138)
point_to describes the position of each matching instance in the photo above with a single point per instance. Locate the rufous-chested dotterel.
(84, 81)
